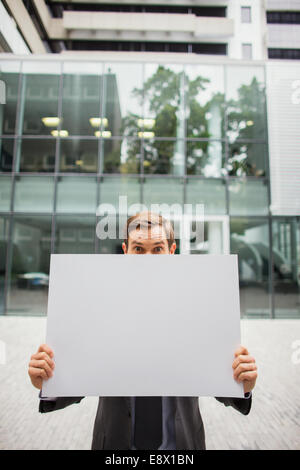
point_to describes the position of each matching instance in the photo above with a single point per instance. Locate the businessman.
(148, 423)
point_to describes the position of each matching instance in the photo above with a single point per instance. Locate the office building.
(166, 104)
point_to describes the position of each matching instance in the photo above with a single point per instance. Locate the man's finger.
(248, 376)
(242, 358)
(35, 373)
(42, 364)
(241, 350)
(45, 348)
(245, 367)
(43, 356)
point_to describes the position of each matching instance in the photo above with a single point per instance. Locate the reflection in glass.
(246, 103)
(163, 191)
(75, 234)
(249, 239)
(286, 267)
(29, 278)
(4, 231)
(164, 105)
(204, 101)
(9, 75)
(113, 243)
(34, 194)
(5, 193)
(247, 159)
(36, 155)
(111, 188)
(213, 238)
(40, 91)
(81, 98)
(248, 197)
(205, 158)
(122, 107)
(116, 210)
(6, 154)
(77, 194)
(210, 192)
(78, 156)
(163, 157)
(121, 156)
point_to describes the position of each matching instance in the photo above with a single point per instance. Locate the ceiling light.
(104, 134)
(146, 123)
(146, 135)
(62, 133)
(96, 122)
(50, 121)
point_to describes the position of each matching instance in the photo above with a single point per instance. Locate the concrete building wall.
(10, 36)
(283, 103)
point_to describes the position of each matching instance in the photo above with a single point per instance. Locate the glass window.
(164, 157)
(40, 91)
(75, 234)
(249, 239)
(209, 238)
(4, 232)
(5, 193)
(6, 154)
(164, 106)
(248, 197)
(29, 277)
(245, 101)
(77, 194)
(122, 107)
(206, 158)
(36, 155)
(9, 86)
(286, 266)
(247, 51)
(204, 101)
(111, 188)
(210, 192)
(115, 210)
(121, 156)
(81, 99)
(163, 191)
(78, 155)
(247, 159)
(34, 194)
(246, 14)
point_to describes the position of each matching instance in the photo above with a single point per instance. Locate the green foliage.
(162, 94)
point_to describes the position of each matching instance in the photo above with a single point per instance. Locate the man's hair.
(147, 220)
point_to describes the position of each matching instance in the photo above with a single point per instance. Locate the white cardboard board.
(152, 325)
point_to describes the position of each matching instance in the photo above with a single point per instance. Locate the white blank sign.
(152, 325)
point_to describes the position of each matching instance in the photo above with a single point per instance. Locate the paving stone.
(273, 423)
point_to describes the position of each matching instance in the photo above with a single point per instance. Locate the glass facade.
(74, 135)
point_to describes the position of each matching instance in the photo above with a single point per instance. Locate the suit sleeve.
(46, 406)
(243, 405)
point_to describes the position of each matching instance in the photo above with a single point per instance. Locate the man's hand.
(244, 369)
(41, 366)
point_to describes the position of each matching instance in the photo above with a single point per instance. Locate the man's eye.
(138, 249)
(158, 249)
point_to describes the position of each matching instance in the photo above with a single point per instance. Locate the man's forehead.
(154, 233)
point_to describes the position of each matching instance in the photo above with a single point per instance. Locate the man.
(163, 423)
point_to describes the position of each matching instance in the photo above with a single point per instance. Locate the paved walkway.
(274, 422)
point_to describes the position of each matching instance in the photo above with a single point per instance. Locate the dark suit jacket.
(112, 428)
